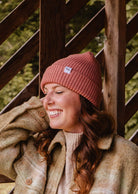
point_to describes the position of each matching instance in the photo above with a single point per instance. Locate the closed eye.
(59, 92)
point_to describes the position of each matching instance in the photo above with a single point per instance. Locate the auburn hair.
(96, 124)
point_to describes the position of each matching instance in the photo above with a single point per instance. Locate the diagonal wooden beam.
(17, 17)
(72, 7)
(19, 59)
(131, 107)
(132, 27)
(86, 34)
(30, 90)
(134, 137)
(131, 68)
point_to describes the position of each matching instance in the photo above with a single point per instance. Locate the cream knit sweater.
(72, 141)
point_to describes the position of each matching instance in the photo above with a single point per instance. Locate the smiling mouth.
(54, 114)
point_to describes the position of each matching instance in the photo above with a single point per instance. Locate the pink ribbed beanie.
(79, 73)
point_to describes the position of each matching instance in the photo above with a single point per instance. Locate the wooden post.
(114, 50)
(52, 33)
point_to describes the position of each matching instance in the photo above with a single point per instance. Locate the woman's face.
(63, 107)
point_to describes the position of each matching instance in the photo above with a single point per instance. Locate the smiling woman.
(63, 107)
(64, 143)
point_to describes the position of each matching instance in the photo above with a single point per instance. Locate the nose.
(48, 100)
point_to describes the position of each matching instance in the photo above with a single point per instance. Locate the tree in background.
(25, 31)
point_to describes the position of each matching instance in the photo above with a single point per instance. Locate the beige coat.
(20, 161)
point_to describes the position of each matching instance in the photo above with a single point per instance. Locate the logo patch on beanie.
(67, 70)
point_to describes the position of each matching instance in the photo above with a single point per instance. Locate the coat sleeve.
(15, 127)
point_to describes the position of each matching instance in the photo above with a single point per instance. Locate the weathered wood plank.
(114, 50)
(19, 59)
(86, 34)
(17, 17)
(131, 68)
(131, 107)
(30, 90)
(52, 32)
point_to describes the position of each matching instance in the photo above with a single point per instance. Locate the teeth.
(52, 113)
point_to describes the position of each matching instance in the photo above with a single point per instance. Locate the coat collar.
(59, 138)
(104, 143)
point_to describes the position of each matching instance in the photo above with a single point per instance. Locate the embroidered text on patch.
(67, 70)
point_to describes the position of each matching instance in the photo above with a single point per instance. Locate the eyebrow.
(56, 86)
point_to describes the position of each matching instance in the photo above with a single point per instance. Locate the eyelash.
(59, 92)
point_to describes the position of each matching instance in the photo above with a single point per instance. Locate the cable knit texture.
(72, 141)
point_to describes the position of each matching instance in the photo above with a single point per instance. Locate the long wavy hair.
(96, 124)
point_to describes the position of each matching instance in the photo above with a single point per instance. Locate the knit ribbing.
(72, 141)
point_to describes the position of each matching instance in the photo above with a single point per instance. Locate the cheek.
(76, 113)
(70, 104)
(77, 104)
(74, 108)
(44, 102)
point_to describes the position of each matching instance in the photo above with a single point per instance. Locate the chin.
(55, 126)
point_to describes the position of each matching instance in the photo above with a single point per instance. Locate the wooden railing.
(53, 47)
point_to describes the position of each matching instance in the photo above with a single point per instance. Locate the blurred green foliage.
(25, 31)
(15, 85)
